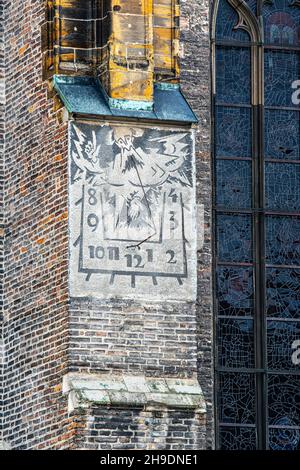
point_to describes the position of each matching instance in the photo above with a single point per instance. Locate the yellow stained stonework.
(166, 39)
(128, 44)
(131, 60)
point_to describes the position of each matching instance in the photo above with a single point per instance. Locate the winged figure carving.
(132, 165)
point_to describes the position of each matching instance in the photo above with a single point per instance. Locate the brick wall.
(151, 338)
(2, 129)
(162, 339)
(101, 429)
(195, 80)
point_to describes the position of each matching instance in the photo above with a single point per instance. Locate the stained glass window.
(282, 134)
(282, 181)
(226, 21)
(281, 70)
(234, 184)
(237, 438)
(234, 238)
(281, 22)
(283, 293)
(234, 75)
(235, 291)
(284, 438)
(235, 343)
(257, 229)
(280, 339)
(283, 240)
(237, 398)
(284, 400)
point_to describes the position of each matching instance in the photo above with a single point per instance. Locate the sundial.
(131, 209)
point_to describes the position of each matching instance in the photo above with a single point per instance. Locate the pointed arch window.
(256, 62)
(83, 36)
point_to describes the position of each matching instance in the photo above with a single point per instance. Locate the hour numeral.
(173, 195)
(150, 256)
(96, 252)
(134, 261)
(93, 221)
(93, 201)
(173, 221)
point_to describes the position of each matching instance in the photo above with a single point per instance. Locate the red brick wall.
(139, 429)
(153, 339)
(2, 107)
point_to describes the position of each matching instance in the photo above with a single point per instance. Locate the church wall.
(195, 82)
(2, 127)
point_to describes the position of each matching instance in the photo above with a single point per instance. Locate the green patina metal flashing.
(167, 86)
(132, 391)
(85, 96)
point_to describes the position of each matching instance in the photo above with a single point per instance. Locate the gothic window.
(256, 51)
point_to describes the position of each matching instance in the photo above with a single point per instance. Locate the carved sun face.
(124, 137)
(125, 143)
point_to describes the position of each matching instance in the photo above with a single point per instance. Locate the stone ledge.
(132, 391)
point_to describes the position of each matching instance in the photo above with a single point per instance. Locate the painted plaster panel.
(132, 212)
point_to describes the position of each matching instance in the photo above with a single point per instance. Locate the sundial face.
(132, 212)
